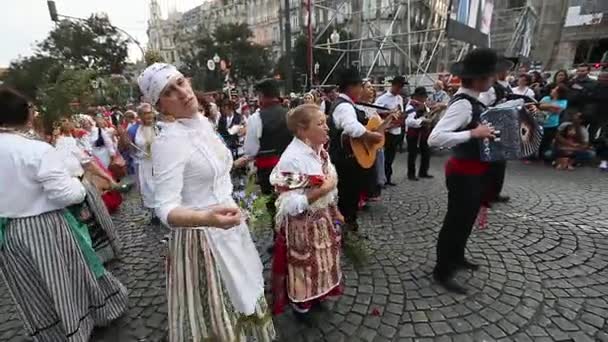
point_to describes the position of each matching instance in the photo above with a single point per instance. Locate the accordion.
(518, 134)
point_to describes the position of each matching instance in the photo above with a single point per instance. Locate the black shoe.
(501, 199)
(390, 184)
(467, 265)
(412, 178)
(449, 284)
(426, 176)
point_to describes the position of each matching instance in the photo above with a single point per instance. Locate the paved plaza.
(544, 274)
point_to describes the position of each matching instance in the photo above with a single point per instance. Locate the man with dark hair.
(227, 121)
(461, 130)
(345, 122)
(417, 135)
(581, 93)
(267, 136)
(392, 100)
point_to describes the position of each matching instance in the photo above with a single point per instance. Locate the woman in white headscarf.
(214, 273)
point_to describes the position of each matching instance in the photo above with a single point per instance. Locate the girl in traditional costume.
(52, 273)
(306, 257)
(214, 273)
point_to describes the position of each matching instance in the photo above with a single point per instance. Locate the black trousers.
(352, 179)
(417, 145)
(549, 134)
(391, 143)
(495, 179)
(464, 201)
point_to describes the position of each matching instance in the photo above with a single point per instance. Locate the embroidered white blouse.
(192, 169)
(33, 178)
(300, 158)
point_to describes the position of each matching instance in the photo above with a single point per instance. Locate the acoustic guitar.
(365, 151)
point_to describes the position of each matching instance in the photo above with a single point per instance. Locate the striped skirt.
(57, 296)
(199, 306)
(101, 228)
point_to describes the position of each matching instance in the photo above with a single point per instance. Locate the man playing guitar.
(345, 121)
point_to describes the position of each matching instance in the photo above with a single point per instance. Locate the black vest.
(338, 147)
(469, 150)
(501, 93)
(275, 135)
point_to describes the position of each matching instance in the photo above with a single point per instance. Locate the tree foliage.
(232, 43)
(153, 56)
(91, 44)
(29, 73)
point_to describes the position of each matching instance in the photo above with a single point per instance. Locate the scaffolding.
(406, 37)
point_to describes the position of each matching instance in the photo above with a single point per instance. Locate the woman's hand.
(221, 217)
(329, 184)
(241, 162)
(339, 217)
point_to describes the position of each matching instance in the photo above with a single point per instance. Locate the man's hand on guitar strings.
(373, 137)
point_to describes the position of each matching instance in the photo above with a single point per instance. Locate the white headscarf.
(154, 79)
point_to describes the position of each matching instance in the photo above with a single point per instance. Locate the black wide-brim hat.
(479, 63)
(420, 91)
(348, 77)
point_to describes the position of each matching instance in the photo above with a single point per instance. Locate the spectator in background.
(575, 145)
(523, 86)
(560, 77)
(439, 95)
(598, 117)
(536, 84)
(226, 126)
(581, 88)
(553, 106)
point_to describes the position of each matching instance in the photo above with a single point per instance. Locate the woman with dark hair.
(560, 77)
(553, 106)
(523, 86)
(536, 83)
(51, 270)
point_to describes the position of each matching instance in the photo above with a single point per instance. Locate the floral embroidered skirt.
(199, 305)
(306, 260)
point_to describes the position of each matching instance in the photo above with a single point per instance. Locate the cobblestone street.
(543, 276)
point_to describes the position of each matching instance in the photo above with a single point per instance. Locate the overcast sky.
(23, 22)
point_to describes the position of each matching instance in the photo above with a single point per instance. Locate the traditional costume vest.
(339, 145)
(421, 110)
(501, 93)
(469, 150)
(275, 136)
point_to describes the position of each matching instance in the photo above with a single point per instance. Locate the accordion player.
(518, 134)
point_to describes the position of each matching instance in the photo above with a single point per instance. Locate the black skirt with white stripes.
(57, 296)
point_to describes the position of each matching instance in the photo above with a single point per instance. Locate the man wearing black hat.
(461, 130)
(497, 94)
(392, 100)
(346, 121)
(417, 134)
(267, 136)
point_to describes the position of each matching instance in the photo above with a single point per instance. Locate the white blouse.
(107, 140)
(73, 155)
(33, 178)
(300, 158)
(191, 168)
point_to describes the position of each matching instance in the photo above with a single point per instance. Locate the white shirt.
(525, 91)
(345, 118)
(192, 170)
(489, 97)
(457, 116)
(322, 106)
(73, 155)
(107, 141)
(411, 120)
(251, 146)
(391, 101)
(33, 178)
(299, 158)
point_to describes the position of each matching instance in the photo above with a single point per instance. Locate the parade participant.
(377, 178)
(345, 122)
(306, 257)
(215, 286)
(142, 137)
(267, 137)
(495, 95)
(460, 129)
(92, 211)
(52, 273)
(417, 134)
(101, 142)
(226, 126)
(392, 100)
(308, 98)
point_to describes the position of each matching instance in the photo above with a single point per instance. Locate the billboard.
(470, 21)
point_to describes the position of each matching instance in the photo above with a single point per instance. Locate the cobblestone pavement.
(544, 274)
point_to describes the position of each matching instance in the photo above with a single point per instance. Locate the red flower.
(316, 180)
(375, 312)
